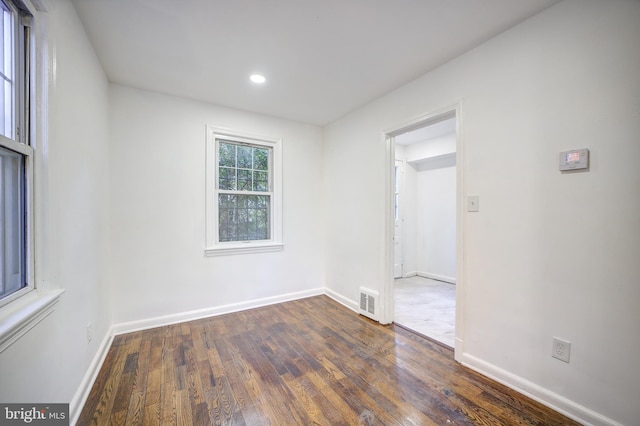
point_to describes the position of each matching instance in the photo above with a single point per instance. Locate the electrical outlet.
(89, 332)
(561, 349)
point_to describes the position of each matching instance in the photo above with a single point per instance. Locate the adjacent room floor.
(427, 307)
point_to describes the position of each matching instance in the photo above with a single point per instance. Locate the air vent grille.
(368, 303)
(363, 301)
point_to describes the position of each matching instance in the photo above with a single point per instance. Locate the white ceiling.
(322, 58)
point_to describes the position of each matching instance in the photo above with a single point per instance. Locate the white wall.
(549, 254)
(428, 207)
(436, 218)
(157, 160)
(49, 362)
(441, 145)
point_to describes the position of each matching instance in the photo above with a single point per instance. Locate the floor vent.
(369, 303)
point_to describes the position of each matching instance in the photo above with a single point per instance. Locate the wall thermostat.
(574, 160)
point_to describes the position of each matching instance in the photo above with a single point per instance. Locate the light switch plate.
(473, 203)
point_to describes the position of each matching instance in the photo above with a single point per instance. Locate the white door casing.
(398, 259)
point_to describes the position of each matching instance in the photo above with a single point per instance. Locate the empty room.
(198, 211)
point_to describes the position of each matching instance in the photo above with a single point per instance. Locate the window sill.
(243, 249)
(21, 315)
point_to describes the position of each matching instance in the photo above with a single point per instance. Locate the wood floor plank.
(152, 392)
(101, 398)
(167, 387)
(152, 415)
(135, 412)
(308, 361)
(184, 411)
(306, 400)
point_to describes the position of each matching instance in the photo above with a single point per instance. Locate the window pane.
(260, 159)
(6, 73)
(12, 235)
(243, 217)
(227, 178)
(244, 180)
(243, 167)
(260, 181)
(244, 156)
(227, 155)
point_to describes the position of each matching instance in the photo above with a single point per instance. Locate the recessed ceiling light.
(257, 78)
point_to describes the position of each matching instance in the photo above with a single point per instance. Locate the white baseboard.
(351, 304)
(131, 326)
(446, 279)
(571, 409)
(79, 399)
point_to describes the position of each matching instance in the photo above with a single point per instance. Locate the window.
(243, 193)
(15, 154)
(21, 308)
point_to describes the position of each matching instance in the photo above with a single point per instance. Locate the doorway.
(424, 228)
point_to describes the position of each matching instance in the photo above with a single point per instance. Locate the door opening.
(424, 226)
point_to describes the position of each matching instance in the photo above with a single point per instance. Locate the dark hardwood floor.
(306, 362)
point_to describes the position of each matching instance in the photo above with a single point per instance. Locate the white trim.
(131, 326)
(23, 314)
(242, 249)
(571, 409)
(18, 147)
(81, 395)
(387, 301)
(351, 304)
(460, 259)
(443, 278)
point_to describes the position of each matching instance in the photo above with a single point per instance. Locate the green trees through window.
(244, 198)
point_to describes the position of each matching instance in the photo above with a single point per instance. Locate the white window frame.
(18, 141)
(27, 152)
(214, 247)
(23, 309)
